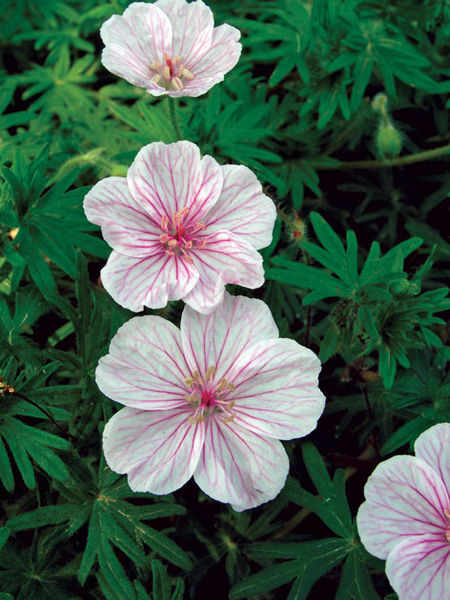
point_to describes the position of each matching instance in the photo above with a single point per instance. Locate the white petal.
(145, 367)
(404, 497)
(150, 281)
(225, 259)
(218, 338)
(276, 389)
(240, 467)
(221, 57)
(136, 40)
(159, 450)
(126, 226)
(192, 25)
(433, 446)
(169, 177)
(242, 208)
(419, 568)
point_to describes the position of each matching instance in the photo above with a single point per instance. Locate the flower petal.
(126, 226)
(145, 367)
(419, 568)
(159, 450)
(242, 207)
(218, 338)
(224, 259)
(433, 446)
(150, 281)
(135, 40)
(169, 177)
(404, 497)
(192, 25)
(221, 57)
(240, 467)
(276, 389)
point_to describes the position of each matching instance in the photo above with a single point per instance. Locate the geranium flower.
(169, 47)
(211, 400)
(180, 227)
(406, 517)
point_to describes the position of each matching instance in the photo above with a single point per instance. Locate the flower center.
(208, 396)
(170, 73)
(179, 235)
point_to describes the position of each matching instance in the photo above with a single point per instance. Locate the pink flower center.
(180, 235)
(170, 73)
(208, 396)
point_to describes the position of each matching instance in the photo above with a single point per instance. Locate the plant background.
(355, 271)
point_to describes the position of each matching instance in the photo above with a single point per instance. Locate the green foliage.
(381, 309)
(308, 561)
(340, 108)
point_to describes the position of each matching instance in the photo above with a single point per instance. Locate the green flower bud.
(404, 287)
(388, 140)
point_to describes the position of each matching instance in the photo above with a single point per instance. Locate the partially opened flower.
(169, 47)
(180, 227)
(211, 400)
(406, 517)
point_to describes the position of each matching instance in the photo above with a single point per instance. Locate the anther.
(203, 243)
(166, 73)
(156, 78)
(164, 222)
(155, 65)
(177, 83)
(210, 372)
(171, 243)
(189, 381)
(187, 74)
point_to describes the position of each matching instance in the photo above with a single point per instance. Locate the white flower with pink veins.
(406, 517)
(180, 226)
(209, 400)
(169, 47)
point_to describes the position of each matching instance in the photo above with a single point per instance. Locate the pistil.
(171, 73)
(208, 396)
(179, 235)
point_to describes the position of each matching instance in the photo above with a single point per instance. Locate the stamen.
(203, 243)
(177, 83)
(187, 74)
(166, 73)
(165, 223)
(172, 242)
(210, 372)
(156, 78)
(155, 65)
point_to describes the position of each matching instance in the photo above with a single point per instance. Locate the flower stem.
(173, 118)
(380, 164)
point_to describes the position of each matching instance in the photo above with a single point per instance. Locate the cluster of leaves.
(298, 111)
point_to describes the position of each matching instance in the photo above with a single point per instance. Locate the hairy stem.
(380, 164)
(173, 117)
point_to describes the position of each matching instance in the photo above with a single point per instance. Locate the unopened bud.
(388, 141)
(404, 287)
(298, 228)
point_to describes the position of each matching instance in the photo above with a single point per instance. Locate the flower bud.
(404, 287)
(388, 140)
